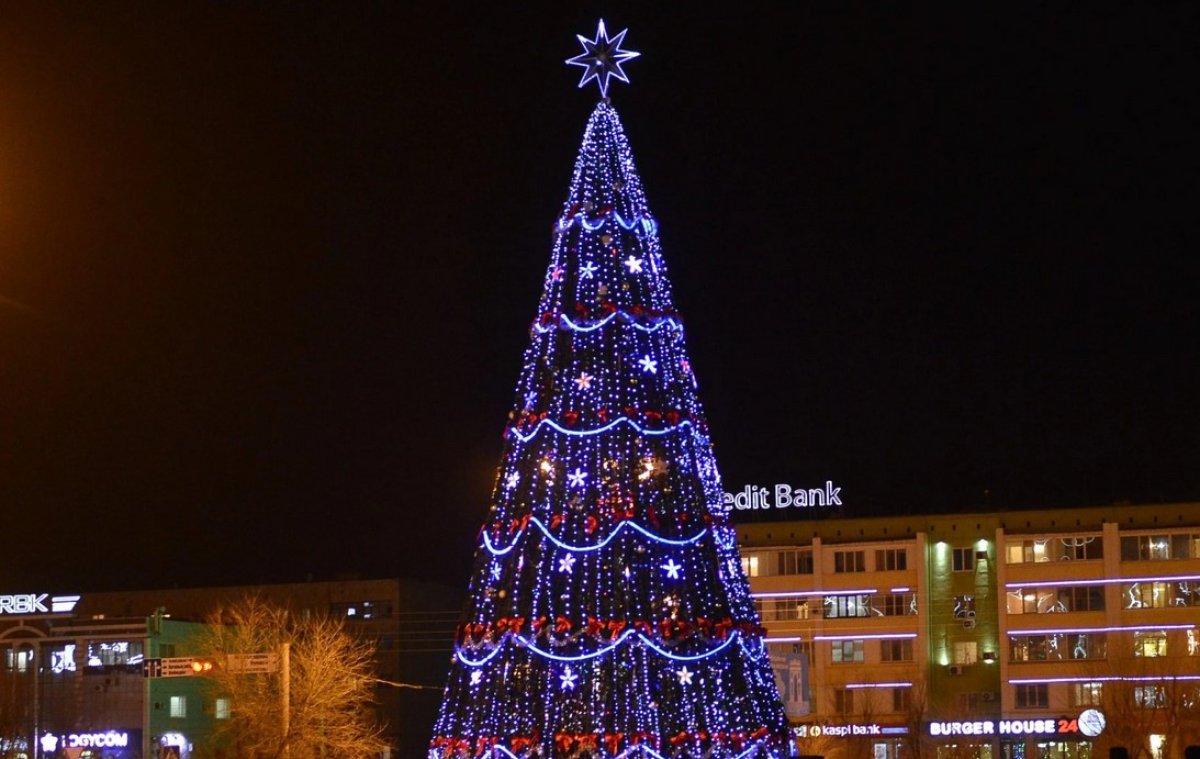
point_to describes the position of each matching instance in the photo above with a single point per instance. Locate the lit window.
(1087, 694)
(848, 651)
(966, 652)
(1150, 644)
(178, 706)
(221, 708)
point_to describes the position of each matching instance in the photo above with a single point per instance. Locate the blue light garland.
(487, 542)
(529, 645)
(526, 437)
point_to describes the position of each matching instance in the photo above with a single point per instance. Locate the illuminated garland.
(576, 213)
(522, 528)
(639, 318)
(573, 417)
(671, 631)
(643, 743)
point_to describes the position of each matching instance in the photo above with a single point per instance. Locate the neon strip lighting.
(487, 541)
(588, 433)
(1118, 628)
(864, 636)
(1104, 581)
(905, 589)
(528, 644)
(860, 686)
(810, 593)
(792, 639)
(566, 321)
(1099, 679)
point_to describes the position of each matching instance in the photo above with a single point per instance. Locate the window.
(891, 559)
(849, 651)
(1087, 694)
(1033, 696)
(1149, 696)
(843, 701)
(166, 650)
(896, 604)
(847, 606)
(114, 653)
(18, 659)
(849, 561)
(62, 659)
(1160, 547)
(796, 561)
(1150, 643)
(964, 559)
(178, 706)
(1058, 647)
(221, 708)
(966, 652)
(783, 609)
(896, 650)
(964, 607)
(1064, 548)
(1055, 600)
(901, 699)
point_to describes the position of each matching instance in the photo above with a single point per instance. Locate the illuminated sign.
(1090, 723)
(783, 496)
(107, 739)
(847, 730)
(35, 603)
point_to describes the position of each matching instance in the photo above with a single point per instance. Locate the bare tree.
(330, 679)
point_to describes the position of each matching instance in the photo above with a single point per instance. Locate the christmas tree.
(608, 613)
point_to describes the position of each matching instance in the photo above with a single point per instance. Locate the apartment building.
(1027, 634)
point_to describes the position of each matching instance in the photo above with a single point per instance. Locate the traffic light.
(202, 666)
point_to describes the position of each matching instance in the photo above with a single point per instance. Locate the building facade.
(72, 686)
(1042, 634)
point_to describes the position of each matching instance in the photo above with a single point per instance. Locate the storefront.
(881, 741)
(1040, 737)
(123, 743)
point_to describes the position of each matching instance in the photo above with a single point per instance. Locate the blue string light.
(529, 645)
(487, 542)
(526, 437)
(566, 321)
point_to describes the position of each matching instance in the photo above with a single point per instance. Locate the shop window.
(114, 653)
(18, 660)
(963, 559)
(849, 651)
(178, 706)
(849, 561)
(891, 559)
(1033, 696)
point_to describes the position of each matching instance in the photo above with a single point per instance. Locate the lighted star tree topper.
(602, 58)
(608, 615)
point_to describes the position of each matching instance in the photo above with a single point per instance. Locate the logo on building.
(783, 496)
(35, 603)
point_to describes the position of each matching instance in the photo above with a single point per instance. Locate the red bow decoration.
(613, 741)
(563, 625)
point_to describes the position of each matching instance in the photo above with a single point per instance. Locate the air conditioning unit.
(968, 624)
(956, 669)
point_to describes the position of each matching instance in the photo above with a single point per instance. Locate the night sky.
(267, 270)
